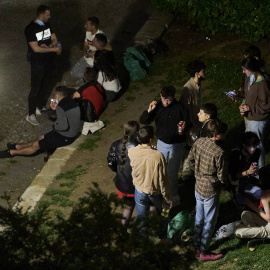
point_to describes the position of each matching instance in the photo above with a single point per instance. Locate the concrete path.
(120, 19)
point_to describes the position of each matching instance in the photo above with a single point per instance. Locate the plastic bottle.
(59, 45)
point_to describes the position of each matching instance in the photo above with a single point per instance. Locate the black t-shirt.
(239, 163)
(41, 34)
(166, 119)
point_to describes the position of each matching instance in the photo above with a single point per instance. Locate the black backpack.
(88, 111)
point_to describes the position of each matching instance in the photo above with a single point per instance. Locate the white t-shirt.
(89, 37)
(113, 85)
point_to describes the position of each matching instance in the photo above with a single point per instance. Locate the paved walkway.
(153, 28)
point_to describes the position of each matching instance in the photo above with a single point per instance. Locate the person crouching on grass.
(207, 160)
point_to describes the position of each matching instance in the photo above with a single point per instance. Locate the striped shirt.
(207, 160)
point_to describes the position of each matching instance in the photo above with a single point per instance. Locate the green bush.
(92, 237)
(248, 18)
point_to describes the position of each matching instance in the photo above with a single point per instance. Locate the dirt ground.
(120, 20)
(183, 41)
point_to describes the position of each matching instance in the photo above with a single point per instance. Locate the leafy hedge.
(248, 18)
(92, 237)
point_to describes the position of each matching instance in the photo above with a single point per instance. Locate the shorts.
(53, 140)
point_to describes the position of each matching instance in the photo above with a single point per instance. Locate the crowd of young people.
(153, 171)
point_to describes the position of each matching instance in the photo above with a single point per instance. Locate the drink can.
(242, 114)
(254, 164)
(180, 127)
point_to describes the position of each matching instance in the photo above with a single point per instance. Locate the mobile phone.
(230, 93)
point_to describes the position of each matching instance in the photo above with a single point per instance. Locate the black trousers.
(41, 76)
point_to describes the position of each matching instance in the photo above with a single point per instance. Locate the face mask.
(40, 23)
(251, 79)
(56, 101)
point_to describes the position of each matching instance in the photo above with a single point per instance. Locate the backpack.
(157, 46)
(88, 111)
(136, 63)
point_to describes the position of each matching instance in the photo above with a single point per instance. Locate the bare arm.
(43, 49)
(252, 169)
(85, 46)
(54, 41)
(265, 202)
(76, 94)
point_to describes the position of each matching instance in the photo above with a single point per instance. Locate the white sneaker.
(39, 111)
(32, 120)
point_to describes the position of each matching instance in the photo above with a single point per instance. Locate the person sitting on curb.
(149, 173)
(207, 160)
(93, 92)
(91, 26)
(107, 75)
(65, 128)
(256, 225)
(243, 168)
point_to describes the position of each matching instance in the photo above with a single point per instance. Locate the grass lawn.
(223, 73)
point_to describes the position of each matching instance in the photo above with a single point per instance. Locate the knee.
(41, 137)
(36, 145)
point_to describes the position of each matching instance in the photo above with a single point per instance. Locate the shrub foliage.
(248, 18)
(92, 237)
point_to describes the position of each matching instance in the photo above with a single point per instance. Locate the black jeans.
(41, 76)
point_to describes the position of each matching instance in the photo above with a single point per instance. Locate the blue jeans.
(205, 220)
(142, 204)
(173, 155)
(259, 127)
(248, 190)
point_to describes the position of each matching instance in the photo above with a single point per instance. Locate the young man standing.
(167, 114)
(207, 160)
(207, 112)
(191, 93)
(149, 175)
(41, 41)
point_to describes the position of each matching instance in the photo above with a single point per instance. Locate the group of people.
(147, 176)
(43, 43)
(74, 108)
(191, 132)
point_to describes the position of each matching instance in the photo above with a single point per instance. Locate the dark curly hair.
(194, 67)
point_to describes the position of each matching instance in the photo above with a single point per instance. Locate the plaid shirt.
(207, 160)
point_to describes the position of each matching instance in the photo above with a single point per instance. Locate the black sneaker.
(5, 154)
(11, 146)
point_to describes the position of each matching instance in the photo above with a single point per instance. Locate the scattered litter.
(235, 259)
(251, 249)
